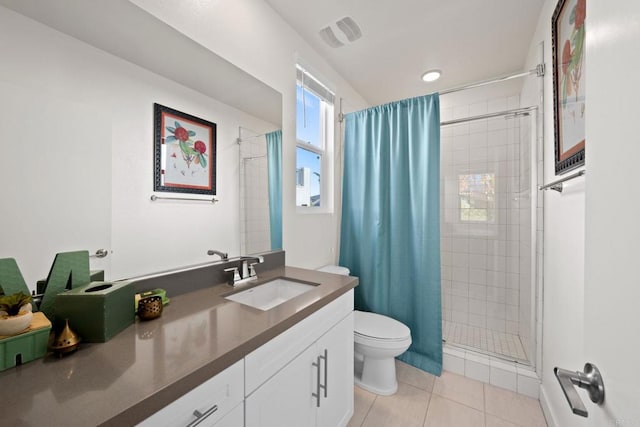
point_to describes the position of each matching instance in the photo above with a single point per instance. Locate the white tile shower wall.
(482, 261)
(254, 200)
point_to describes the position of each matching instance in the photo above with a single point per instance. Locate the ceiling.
(124, 30)
(469, 40)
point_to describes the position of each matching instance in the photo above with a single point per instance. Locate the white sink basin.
(271, 294)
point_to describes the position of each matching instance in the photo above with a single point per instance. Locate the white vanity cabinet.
(216, 402)
(301, 378)
(304, 376)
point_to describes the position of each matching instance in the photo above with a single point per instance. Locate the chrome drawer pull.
(316, 364)
(326, 369)
(201, 416)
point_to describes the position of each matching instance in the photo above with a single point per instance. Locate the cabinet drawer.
(205, 404)
(267, 360)
(235, 418)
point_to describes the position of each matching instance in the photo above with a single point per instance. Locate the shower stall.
(488, 228)
(254, 194)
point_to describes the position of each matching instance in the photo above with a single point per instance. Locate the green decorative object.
(27, 346)
(69, 270)
(95, 276)
(97, 311)
(11, 279)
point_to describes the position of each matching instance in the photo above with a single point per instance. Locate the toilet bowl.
(378, 340)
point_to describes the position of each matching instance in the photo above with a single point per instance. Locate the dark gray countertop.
(150, 364)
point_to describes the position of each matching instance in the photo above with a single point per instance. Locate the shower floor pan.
(484, 340)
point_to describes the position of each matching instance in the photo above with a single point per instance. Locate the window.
(314, 135)
(476, 193)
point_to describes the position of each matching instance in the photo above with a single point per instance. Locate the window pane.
(308, 177)
(308, 118)
(476, 193)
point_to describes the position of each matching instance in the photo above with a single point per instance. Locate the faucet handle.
(236, 274)
(252, 269)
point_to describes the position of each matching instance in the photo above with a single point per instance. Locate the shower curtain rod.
(516, 112)
(538, 71)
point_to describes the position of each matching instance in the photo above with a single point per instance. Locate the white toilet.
(378, 340)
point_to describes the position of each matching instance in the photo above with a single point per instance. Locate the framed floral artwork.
(184, 152)
(568, 46)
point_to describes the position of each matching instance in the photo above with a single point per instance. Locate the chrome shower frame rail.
(514, 112)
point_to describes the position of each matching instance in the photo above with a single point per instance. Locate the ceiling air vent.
(330, 38)
(350, 29)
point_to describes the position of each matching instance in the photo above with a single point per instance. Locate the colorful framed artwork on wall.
(568, 46)
(184, 152)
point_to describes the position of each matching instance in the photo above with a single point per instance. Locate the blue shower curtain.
(390, 234)
(274, 165)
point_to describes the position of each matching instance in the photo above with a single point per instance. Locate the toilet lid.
(379, 327)
(335, 269)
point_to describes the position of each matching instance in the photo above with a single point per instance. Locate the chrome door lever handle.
(590, 380)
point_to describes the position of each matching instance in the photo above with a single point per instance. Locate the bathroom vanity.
(206, 361)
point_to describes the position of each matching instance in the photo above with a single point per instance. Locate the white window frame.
(325, 150)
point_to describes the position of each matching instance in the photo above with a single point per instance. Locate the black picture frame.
(184, 152)
(568, 45)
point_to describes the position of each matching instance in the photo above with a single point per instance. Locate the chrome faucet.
(222, 255)
(245, 271)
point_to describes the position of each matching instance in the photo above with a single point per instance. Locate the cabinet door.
(285, 399)
(336, 408)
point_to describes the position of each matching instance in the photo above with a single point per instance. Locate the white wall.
(564, 236)
(145, 236)
(250, 34)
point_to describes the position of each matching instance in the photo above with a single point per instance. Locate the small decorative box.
(97, 311)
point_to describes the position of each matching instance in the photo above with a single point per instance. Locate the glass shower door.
(486, 239)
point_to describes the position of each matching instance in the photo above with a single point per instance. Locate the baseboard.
(546, 408)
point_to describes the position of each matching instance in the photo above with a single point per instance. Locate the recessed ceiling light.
(431, 75)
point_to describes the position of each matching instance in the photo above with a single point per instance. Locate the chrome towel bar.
(212, 200)
(557, 184)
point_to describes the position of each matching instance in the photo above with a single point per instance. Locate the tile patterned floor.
(485, 340)
(450, 400)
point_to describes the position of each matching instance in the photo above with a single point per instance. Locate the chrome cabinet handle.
(201, 416)
(316, 364)
(590, 380)
(326, 369)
